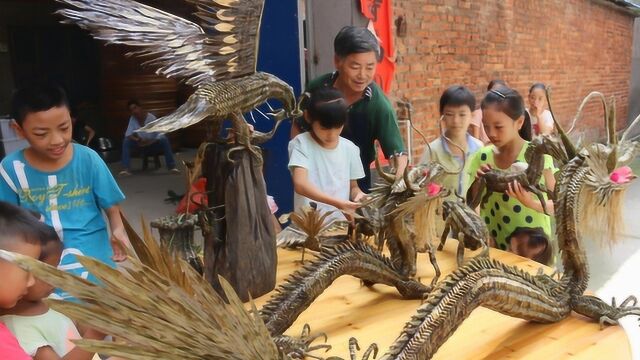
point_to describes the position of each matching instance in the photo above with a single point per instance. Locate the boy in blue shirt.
(67, 183)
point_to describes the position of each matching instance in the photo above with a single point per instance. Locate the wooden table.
(347, 309)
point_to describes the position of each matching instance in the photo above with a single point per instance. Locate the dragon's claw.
(300, 348)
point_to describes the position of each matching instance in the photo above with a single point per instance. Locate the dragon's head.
(609, 173)
(608, 176)
(424, 176)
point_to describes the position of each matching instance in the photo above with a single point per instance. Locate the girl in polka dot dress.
(515, 219)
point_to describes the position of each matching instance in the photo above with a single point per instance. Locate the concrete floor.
(614, 272)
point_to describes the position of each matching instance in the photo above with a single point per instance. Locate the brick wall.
(576, 46)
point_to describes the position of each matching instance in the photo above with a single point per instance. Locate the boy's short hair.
(457, 95)
(50, 242)
(36, 98)
(19, 224)
(355, 40)
(327, 106)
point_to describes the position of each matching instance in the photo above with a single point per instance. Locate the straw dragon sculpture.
(217, 57)
(208, 327)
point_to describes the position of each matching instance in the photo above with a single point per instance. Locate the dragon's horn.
(631, 126)
(409, 107)
(388, 177)
(584, 103)
(568, 145)
(464, 157)
(611, 123)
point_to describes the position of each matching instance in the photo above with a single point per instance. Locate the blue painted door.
(279, 55)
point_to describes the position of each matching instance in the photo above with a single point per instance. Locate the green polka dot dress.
(502, 214)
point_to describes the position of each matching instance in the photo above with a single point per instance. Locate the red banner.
(379, 13)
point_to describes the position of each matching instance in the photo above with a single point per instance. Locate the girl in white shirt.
(541, 120)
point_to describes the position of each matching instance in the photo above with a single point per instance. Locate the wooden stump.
(241, 244)
(176, 233)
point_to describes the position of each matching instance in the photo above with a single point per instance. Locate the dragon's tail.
(196, 109)
(482, 282)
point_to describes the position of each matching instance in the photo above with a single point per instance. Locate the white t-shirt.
(51, 329)
(547, 119)
(331, 170)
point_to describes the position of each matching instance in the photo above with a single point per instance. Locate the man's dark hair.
(19, 224)
(496, 83)
(457, 95)
(327, 106)
(133, 102)
(355, 40)
(36, 98)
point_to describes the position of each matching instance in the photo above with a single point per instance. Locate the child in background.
(21, 233)
(67, 183)
(515, 219)
(476, 129)
(324, 166)
(456, 106)
(541, 119)
(44, 333)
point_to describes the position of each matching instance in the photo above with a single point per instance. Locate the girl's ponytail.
(525, 131)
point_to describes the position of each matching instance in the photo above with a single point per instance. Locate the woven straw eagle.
(218, 56)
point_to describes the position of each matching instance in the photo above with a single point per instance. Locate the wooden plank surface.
(346, 309)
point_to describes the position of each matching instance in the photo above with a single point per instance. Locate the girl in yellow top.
(515, 219)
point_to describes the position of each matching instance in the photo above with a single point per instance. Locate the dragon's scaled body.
(217, 56)
(466, 226)
(301, 288)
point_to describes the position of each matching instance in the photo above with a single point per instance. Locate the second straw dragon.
(218, 57)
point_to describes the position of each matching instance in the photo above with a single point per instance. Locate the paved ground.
(614, 272)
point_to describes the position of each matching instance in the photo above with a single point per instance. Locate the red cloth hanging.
(379, 13)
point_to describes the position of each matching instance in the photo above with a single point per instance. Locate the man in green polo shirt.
(371, 116)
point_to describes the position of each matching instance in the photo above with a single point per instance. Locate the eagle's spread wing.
(226, 47)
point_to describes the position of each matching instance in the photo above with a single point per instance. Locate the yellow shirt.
(503, 214)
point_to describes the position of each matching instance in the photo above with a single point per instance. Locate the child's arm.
(119, 238)
(304, 187)
(355, 193)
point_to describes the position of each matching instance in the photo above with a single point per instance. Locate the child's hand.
(483, 170)
(360, 197)
(119, 242)
(348, 208)
(515, 190)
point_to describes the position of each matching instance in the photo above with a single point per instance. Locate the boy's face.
(16, 281)
(41, 289)
(356, 71)
(456, 119)
(327, 138)
(48, 132)
(500, 128)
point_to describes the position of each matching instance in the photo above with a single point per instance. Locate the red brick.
(583, 47)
